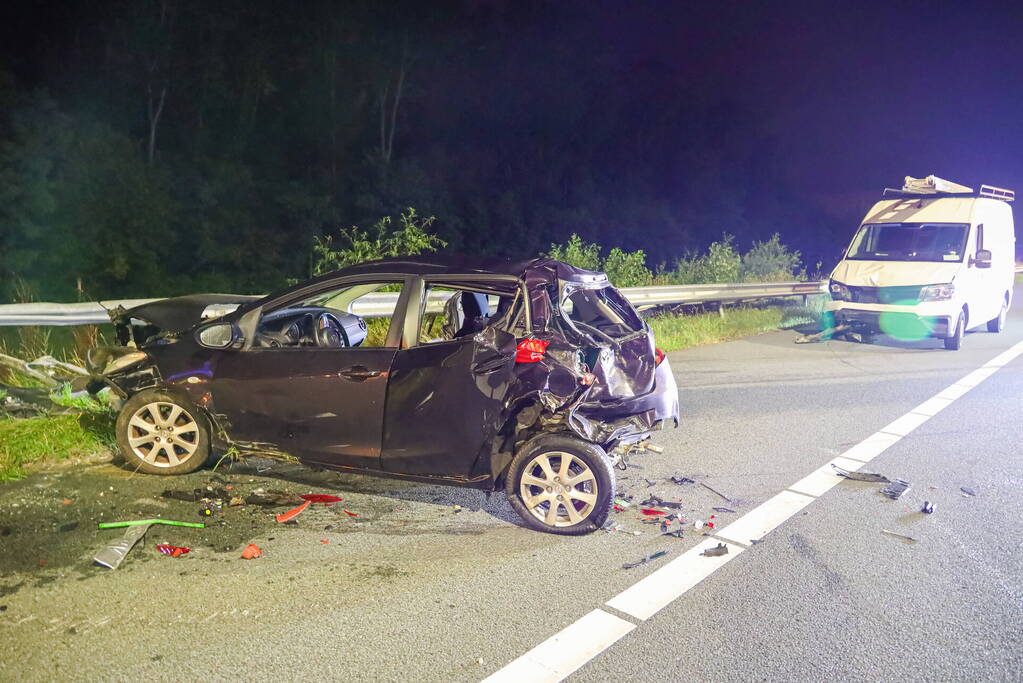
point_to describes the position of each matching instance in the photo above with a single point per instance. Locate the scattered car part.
(967, 491)
(251, 552)
(717, 551)
(898, 535)
(677, 533)
(652, 512)
(822, 335)
(273, 498)
(648, 558)
(114, 554)
(861, 476)
(196, 495)
(350, 513)
(722, 509)
(292, 514)
(172, 550)
(324, 498)
(896, 488)
(679, 479)
(928, 508)
(730, 500)
(142, 522)
(655, 501)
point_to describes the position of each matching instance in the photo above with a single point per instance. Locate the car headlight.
(937, 292)
(839, 292)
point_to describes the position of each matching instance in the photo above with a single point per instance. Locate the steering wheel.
(328, 333)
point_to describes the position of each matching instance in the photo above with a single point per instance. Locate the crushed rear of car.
(537, 378)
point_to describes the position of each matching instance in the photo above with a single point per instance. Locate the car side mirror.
(217, 335)
(983, 259)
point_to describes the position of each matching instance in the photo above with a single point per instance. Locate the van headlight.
(839, 292)
(937, 292)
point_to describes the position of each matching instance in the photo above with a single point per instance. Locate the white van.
(933, 259)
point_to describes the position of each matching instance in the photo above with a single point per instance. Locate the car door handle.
(359, 373)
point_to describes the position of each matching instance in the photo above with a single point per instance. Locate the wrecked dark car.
(532, 376)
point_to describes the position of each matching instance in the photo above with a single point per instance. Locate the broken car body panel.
(450, 410)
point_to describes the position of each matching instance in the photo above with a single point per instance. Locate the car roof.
(467, 265)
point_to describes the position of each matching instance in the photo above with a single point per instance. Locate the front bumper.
(897, 323)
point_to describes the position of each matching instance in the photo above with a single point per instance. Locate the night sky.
(654, 125)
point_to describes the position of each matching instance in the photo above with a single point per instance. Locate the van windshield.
(910, 242)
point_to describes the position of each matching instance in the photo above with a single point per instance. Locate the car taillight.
(530, 350)
(658, 356)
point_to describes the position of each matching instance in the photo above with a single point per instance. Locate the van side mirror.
(982, 260)
(217, 335)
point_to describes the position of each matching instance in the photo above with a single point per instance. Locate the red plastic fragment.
(321, 498)
(530, 350)
(251, 552)
(172, 550)
(350, 513)
(651, 511)
(710, 525)
(292, 514)
(324, 541)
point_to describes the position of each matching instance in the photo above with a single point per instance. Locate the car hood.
(894, 273)
(181, 313)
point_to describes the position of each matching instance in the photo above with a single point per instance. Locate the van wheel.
(998, 324)
(158, 433)
(956, 340)
(561, 485)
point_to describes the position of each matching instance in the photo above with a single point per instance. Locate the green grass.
(674, 332)
(51, 438)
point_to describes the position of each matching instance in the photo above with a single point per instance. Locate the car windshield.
(910, 242)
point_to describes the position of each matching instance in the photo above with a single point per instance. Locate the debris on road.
(677, 533)
(172, 550)
(324, 498)
(648, 558)
(251, 552)
(143, 522)
(649, 484)
(273, 498)
(613, 527)
(967, 491)
(291, 514)
(898, 535)
(622, 503)
(350, 513)
(717, 551)
(730, 500)
(722, 509)
(679, 479)
(928, 508)
(823, 335)
(197, 495)
(896, 488)
(861, 476)
(114, 554)
(655, 501)
(652, 512)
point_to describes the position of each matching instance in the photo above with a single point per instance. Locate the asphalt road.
(414, 589)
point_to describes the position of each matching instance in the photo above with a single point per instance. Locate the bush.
(721, 263)
(380, 241)
(623, 268)
(770, 261)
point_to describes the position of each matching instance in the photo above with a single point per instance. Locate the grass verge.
(674, 332)
(53, 438)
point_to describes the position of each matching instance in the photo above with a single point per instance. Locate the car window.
(452, 313)
(349, 316)
(603, 309)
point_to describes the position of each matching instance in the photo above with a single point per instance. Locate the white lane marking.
(762, 519)
(820, 481)
(871, 447)
(565, 651)
(650, 594)
(655, 591)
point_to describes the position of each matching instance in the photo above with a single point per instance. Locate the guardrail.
(376, 305)
(381, 304)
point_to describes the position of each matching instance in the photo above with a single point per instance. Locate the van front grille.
(886, 295)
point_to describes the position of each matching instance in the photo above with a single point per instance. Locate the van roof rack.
(933, 186)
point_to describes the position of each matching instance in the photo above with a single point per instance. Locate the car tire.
(997, 324)
(955, 341)
(159, 433)
(561, 485)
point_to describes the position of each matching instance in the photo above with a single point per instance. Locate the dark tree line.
(154, 147)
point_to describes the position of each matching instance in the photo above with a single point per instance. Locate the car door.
(446, 396)
(322, 405)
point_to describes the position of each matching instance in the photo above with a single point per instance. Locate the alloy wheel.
(558, 488)
(163, 434)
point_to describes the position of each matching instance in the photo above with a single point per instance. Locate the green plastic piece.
(139, 522)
